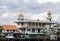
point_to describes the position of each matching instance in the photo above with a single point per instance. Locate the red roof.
(9, 27)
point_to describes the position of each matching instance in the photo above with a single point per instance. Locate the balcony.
(21, 27)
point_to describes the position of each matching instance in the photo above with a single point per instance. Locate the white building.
(33, 26)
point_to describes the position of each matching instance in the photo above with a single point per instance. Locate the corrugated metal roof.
(9, 27)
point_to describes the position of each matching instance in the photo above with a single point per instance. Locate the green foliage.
(47, 31)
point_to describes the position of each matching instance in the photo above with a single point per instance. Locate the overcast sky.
(32, 9)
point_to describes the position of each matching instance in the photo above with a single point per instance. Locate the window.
(0, 31)
(36, 24)
(38, 30)
(10, 34)
(29, 24)
(33, 30)
(22, 23)
(13, 30)
(22, 29)
(58, 29)
(7, 30)
(17, 35)
(28, 29)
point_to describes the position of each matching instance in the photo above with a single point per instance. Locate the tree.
(47, 31)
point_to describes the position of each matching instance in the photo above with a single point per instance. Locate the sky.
(32, 9)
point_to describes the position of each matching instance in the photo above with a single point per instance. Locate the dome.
(20, 14)
(49, 13)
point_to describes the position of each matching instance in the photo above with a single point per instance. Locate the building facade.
(9, 30)
(27, 26)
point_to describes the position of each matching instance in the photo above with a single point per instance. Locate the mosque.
(34, 28)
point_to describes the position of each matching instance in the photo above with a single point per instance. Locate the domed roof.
(49, 13)
(20, 14)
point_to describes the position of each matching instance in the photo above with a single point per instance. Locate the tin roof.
(9, 27)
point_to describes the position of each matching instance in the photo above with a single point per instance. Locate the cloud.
(4, 15)
(29, 6)
(8, 15)
(32, 9)
(10, 19)
(14, 1)
(56, 17)
(44, 1)
(43, 16)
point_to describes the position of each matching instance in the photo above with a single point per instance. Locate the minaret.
(49, 16)
(20, 16)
